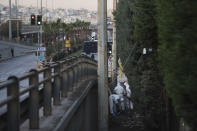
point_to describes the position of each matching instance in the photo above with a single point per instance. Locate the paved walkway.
(59, 112)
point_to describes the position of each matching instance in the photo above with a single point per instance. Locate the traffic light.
(33, 20)
(39, 19)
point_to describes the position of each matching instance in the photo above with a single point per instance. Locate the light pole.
(10, 22)
(0, 17)
(41, 25)
(37, 5)
(46, 12)
(17, 25)
(103, 114)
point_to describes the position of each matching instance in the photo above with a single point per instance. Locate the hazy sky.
(76, 4)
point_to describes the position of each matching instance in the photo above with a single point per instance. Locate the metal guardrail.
(58, 79)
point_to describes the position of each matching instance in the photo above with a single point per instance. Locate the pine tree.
(178, 54)
(137, 29)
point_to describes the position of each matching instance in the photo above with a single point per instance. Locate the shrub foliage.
(169, 28)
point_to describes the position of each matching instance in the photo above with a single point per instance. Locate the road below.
(17, 66)
(18, 49)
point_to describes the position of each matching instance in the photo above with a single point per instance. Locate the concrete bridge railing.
(48, 87)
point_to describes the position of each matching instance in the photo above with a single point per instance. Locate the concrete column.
(71, 79)
(57, 85)
(13, 106)
(65, 81)
(75, 78)
(103, 114)
(34, 101)
(47, 93)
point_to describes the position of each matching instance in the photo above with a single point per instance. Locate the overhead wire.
(127, 60)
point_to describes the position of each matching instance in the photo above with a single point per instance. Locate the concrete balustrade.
(13, 106)
(34, 101)
(58, 79)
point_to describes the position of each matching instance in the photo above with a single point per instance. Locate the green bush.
(177, 22)
(172, 25)
(137, 29)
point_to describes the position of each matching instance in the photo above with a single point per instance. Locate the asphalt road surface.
(17, 66)
(5, 49)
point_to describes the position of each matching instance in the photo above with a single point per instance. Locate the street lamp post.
(0, 17)
(10, 22)
(17, 25)
(41, 26)
(46, 12)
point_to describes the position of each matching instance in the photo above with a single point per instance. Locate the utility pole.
(103, 114)
(114, 49)
(37, 5)
(53, 4)
(38, 35)
(41, 26)
(17, 24)
(46, 12)
(10, 22)
(39, 46)
(0, 17)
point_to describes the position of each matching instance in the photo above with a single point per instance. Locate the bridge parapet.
(46, 87)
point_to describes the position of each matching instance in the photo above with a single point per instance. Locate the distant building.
(67, 15)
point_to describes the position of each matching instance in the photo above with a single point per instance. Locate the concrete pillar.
(34, 101)
(47, 93)
(57, 85)
(65, 81)
(13, 106)
(103, 114)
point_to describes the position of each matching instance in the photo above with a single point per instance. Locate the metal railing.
(56, 81)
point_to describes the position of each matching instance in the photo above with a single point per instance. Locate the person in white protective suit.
(121, 76)
(116, 100)
(121, 99)
(119, 90)
(129, 103)
(113, 101)
(122, 96)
